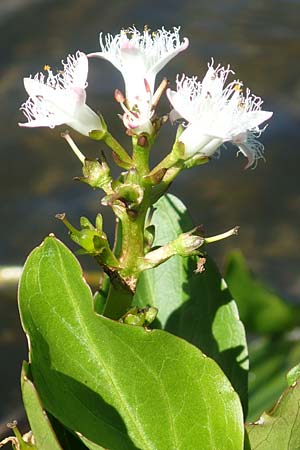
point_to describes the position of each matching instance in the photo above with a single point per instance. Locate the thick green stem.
(132, 250)
(132, 243)
(140, 155)
(118, 301)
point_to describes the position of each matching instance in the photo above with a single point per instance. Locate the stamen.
(73, 146)
(159, 91)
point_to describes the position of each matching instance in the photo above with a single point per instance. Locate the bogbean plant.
(157, 357)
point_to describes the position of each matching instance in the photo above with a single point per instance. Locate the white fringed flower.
(139, 57)
(218, 114)
(60, 99)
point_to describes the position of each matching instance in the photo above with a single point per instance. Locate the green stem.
(140, 155)
(124, 159)
(132, 251)
(166, 163)
(118, 301)
(132, 243)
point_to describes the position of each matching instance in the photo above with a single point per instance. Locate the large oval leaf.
(197, 307)
(121, 387)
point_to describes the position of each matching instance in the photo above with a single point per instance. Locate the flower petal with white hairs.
(60, 99)
(217, 114)
(139, 56)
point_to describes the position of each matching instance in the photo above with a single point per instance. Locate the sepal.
(149, 236)
(98, 135)
(196, 160)
(96, 173)
(131, 195)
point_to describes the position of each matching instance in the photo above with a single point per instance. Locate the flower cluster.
(214, 113)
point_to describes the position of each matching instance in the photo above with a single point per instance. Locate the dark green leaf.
(196, 307)
(67, 439)
(120, 386)
(45, 438)
(261, 310)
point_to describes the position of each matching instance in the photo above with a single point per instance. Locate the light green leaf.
(261, 310)
(293, 375)
(280, 428)
(45, 438)
(196, 307)
(120, 386)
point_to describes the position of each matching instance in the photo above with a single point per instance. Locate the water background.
(261, 41)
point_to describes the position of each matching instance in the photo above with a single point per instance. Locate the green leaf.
(293, 375)
(271, 358)
(261, 310)
(44, 435)
(67, 439)
(280, 428)
(120, 386)
(196, 307)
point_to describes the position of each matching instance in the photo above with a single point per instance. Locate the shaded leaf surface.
(41, 427)
(196, 307)
(121, 387)
(279, 429)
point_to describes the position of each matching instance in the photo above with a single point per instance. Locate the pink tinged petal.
(137, 125)
(76, 96)
(155, 68)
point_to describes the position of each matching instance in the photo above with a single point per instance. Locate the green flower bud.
(96, 173)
